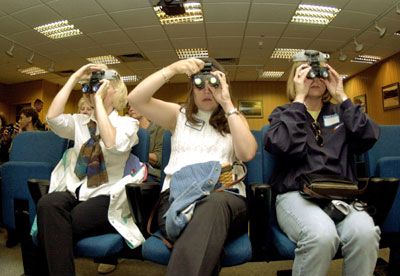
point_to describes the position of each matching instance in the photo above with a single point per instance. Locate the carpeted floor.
(11, 265)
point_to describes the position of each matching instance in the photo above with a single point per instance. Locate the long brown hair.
(217, 120)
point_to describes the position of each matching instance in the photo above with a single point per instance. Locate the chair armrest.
(260, 203)
(142, 198)
(38, 188)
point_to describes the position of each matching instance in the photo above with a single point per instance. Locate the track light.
(9, 52)
(398, 9)
(359, 46)
(30, 59)
(382, 31)
(342, 56)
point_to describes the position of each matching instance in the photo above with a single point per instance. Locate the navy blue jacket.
(346, 131)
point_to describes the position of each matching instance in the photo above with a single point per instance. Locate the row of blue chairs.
(34, 155)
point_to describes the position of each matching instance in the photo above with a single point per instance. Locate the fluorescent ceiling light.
(193, 13)
(271, 74)
(192, 53)
(104, 60)
(366, 59)
(285, 53)
(58, 30)
(132, 78)
(33, 71)
(313, 14)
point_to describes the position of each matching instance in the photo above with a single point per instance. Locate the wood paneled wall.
(370, 82)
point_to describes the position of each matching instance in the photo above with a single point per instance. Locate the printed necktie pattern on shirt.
(90, 160)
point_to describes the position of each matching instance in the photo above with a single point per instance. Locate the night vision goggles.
(199, 79)
(314, 59)
(94, 82)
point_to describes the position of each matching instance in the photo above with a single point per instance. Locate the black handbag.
(318, 186)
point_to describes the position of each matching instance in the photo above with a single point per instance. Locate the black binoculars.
(316, 70)
(94, 82)
(199, 79)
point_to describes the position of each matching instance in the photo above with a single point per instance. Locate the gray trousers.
(318, 238)
(198, 250)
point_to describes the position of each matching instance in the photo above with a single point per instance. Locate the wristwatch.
(231, 112)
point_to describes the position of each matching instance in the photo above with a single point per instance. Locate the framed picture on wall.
(361, 100)
(391, 96)
(251, 109)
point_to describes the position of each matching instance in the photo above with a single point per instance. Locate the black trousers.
(219, 217)
(63, 220)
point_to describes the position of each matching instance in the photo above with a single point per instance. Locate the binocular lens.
(85, 88)
(95, 87)
(213, 80)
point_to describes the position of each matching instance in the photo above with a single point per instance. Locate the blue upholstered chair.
(112, 244)
(237, 251)
(33, 155)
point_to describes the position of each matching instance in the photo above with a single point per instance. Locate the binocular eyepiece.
(199, 79)
(94, 82)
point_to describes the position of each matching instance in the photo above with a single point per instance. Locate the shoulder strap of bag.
(150, 221)
(236, 178)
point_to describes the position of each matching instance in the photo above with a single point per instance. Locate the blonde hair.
(120, 98)
(83, 100)
(290, 89)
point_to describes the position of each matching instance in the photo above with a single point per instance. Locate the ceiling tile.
(29, 38)
(135, 18)
(9, 25)
(225, 29)
(110, 37)
(232, 12)
(185, 30)
(265, 29)
(146, 33)
(121, 49)
(271, 13)
(10, 6)
(303, 30)
(95, 23)
(75, 8)
(155, 45)
(122, 5)
(36, 16)
(351, 19)
(189, 42)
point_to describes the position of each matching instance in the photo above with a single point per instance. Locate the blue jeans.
(318, 238)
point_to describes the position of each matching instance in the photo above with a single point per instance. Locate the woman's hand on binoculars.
(334, 84)
(188, 66)
(301, 83)
(221, 93)
(85, 71)
(102, 91)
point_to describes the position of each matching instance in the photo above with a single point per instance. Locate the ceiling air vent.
(65, 73)
(227, 61)
(131, 57)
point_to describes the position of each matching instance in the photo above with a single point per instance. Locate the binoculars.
(94, 82)
(314, 58)
(199, 79)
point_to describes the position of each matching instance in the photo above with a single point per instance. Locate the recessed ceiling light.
(343, 76)
(397, 33)
(271, 74)
(366, 59)
(132, 78)
(192, 53)
(285, 53)
(104, 60)
(58, 30)
(32, 71)
(313, 14)
(193, 13)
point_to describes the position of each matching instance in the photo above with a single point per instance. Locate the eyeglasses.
(317, 134)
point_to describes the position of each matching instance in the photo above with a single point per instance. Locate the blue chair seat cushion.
(237, 251)
(99, 246)
(282, 243)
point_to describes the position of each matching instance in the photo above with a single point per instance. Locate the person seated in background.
(156, 141)
(38, 106)
(85, 106)
(28, 119)
(5, 139)
(87, 194)
(313, 135)
(207, 130)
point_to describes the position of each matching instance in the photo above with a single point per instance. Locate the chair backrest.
(141, 150)
(254, 166)
(387, 146)
(38, 146)
(166, 152)
(268, 160)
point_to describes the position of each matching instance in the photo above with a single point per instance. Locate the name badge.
(330, 120)
(198, 126)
